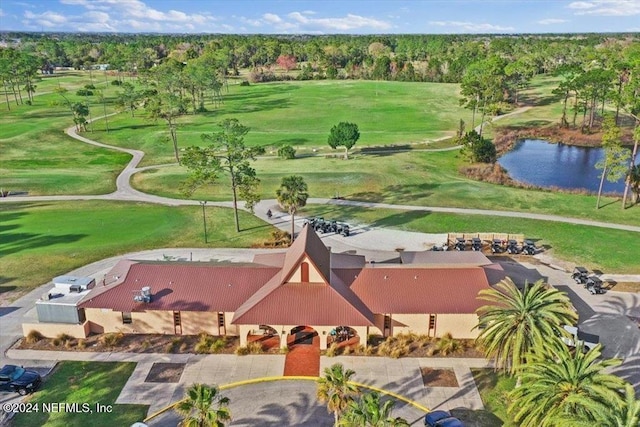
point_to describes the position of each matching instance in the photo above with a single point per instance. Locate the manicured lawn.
(612, 251)
(39, 241)
(414, 178)
(494, 389)
(39, 158)
(84, 382)
(302, 113)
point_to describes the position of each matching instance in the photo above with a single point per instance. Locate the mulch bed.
(165, 373)
(131, 343)
(438, 377)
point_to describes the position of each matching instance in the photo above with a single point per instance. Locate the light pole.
(204, 219)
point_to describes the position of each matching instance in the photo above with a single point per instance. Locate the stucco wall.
(194, 322)
(416, 323)
(459, 325)
(146, 322)
(52, 330)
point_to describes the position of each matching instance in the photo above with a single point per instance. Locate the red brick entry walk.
(303, 358)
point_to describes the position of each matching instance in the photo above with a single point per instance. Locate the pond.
(544, 164)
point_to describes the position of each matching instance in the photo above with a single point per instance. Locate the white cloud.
(606, 7)
(471, 26)
(347, 23)
(551, 21)
(47, 19)
(2, 12)
(272, 18)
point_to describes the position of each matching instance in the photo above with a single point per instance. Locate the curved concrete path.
(125, 192)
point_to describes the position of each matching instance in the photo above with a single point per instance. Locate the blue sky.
(321, 16)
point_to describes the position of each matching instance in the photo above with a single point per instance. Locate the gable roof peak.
(308, 243)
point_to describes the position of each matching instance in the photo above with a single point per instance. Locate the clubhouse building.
(278, 294)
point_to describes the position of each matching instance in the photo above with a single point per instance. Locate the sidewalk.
(401, 376)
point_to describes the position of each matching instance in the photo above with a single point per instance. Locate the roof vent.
(386, 277)
(144, 296)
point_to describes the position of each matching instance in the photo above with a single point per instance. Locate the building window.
(387, 321)
(304, 271)
(126, 317)
(432, 321)
(221, 320)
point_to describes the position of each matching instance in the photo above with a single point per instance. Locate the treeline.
(433, 58)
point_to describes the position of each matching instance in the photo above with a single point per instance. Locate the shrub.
(145, 344)
(62, 339)
(287, 152)
(245, 83)
(116, 83)
(332, 351)
(255, 348)
(168, 348)
(447, 345)
(184, 347)
(111, 339)
(82, 344)
(84, 92)
(241, 351)
(89, 86)
(217, 346)
(33, 337)
(204, 343)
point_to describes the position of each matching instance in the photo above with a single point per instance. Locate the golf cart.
(460, 244)
(529, 248)
(496, 246)
(594, 285)
(342, 229)
(512, 247)
(580, 275)
(476, 244)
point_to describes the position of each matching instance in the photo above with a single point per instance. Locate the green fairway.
(89, 383)
(39, 241)
(302, 113)
(414, 178)
(597, 248)
(39, 158)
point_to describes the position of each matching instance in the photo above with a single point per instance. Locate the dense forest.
(595, 69)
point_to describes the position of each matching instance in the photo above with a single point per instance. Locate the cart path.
(125, 192)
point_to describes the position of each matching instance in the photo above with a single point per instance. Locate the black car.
(16, 378)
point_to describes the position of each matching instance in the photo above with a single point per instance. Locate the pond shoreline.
(506, 137)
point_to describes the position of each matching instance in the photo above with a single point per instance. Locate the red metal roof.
(304, 304)
(445, 258)
(420, 290)
(184, 287)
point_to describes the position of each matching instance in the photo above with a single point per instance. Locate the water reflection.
(544, 164)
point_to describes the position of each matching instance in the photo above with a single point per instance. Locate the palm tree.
(203, 407)
(369, 412)
(336, 390)
(570, 389)
(292, 195)
(519, 321)
(629, 414)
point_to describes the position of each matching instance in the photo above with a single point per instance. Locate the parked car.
(16, 378)
(434, 416)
